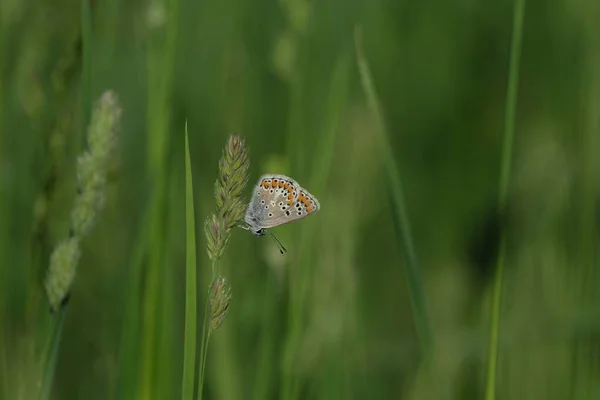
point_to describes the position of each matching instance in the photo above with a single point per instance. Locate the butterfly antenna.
(282, 249)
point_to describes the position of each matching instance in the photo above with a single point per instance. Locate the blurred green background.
(333, 317)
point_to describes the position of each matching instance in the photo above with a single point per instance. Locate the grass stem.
(412, 269)
(52, 353)
(189, 355)
(507, 147)
(204, 345)
(86, 86)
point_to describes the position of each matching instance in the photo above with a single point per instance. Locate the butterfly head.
(259, 232)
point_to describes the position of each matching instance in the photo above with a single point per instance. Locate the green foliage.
(338, 315)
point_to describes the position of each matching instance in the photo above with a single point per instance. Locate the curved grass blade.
(129, 350)
(415, 288)
(509, 134)
(337, 102)
(86, 88)
(52, 355)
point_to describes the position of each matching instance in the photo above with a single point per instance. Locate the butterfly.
(277, 200)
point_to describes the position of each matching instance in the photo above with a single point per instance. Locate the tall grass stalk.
(89, 202)
(506, 164)
(295, 151)
(3, 230)
(86, 79)
(415, 286)
(51, 357)
(189, 346)
(160, 56)
(300, 280)
(204, 346)
(266, 346)
(589, 146)
(231, 208)
(151, 296)
(129, 350)
(168, 379)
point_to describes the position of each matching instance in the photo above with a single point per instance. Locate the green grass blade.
(52, 354)
(338, 95)
(189, 356)
(3, 231)
(204, 347)
(151, 297)
(265, 366)
(86, 88)
(509, 134)
(159, 63)
(129, 350)
(415, 287)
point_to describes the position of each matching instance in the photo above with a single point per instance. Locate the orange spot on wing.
(309, 209)
(266, 184)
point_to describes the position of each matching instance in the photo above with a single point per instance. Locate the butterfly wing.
(278, 200)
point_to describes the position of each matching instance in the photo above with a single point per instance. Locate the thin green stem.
(3, 231)
(159, 63)
(151, 292)
(189, 356)
(511, 100)
(264, 368)
(52, 354)
(338, 93)
(204, 346)
(86, 88)
(129, 343)
(509, 135)
(203, 365)
(412, 268)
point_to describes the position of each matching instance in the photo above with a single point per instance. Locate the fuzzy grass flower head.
(220, 294)
(233, 178)
(92, 165)
(61, 272)
(217, 237)
(92, 168)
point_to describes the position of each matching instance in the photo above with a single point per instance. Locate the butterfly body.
(277, 200)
